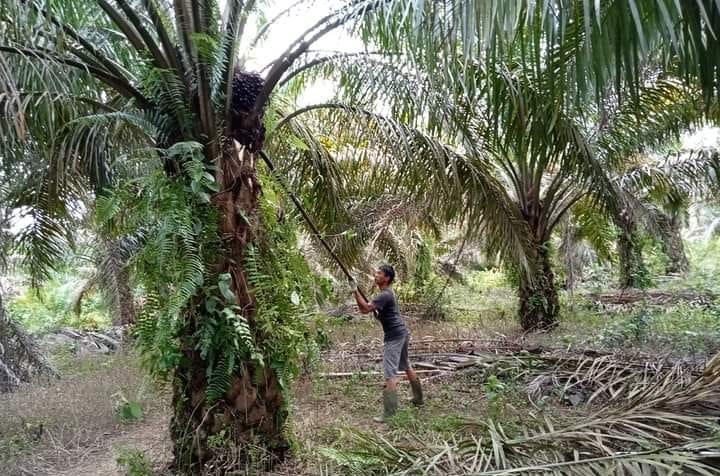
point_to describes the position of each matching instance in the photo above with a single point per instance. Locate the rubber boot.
(390, 405)
(417, 392)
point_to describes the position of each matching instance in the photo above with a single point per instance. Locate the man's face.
(380, 278)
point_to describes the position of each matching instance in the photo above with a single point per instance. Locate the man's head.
(384, 276)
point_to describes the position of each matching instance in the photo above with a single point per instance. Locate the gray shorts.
(395, 356)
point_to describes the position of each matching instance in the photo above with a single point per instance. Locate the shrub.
(134, 462)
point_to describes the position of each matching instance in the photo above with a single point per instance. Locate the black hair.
(388, 271)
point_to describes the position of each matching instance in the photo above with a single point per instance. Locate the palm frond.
(379, 80)
(353, 10)
(595, 226)
(44, 240)
(383, 154)
(662, 110)
(667, 182)
(618, 36)
(21, 359)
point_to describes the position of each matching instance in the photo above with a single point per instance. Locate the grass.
(134, 462)
(78, 412)
(678, 330)
(334, 409)
(487, 301)
(704, 260)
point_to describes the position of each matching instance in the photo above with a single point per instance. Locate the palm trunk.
(539, 305)
(251, 415)
(570, 256)
(673, 246)
(126, 303)
(113, 277)
(633, 273)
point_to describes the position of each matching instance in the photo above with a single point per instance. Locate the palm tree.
(547, 153)
(160, 87)
(522, 99)
(158, 83)
(650, 195)
(656, 194)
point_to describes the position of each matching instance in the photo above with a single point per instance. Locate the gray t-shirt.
(389, 315)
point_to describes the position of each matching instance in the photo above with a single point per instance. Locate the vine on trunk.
(192, 319)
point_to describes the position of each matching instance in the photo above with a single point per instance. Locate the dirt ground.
(149, 436)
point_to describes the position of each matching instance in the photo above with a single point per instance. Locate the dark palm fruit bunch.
(245, 89)
(247, 130)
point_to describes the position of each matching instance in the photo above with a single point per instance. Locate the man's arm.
(364, 306)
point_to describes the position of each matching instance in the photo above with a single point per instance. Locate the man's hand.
(364, 306)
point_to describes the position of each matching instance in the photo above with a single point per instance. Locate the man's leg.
(404, 364)
(416, 387)
(391, 359)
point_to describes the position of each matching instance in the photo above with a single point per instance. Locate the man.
(397, 338)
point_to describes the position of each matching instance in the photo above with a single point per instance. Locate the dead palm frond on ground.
(635, 417)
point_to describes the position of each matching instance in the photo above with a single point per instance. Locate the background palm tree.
(556, 94)
(544, 150)
(656, 193)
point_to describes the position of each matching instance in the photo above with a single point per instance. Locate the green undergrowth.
(704, 260)
(681, 329)
(134, 462)
(54, 305)
(486, 299)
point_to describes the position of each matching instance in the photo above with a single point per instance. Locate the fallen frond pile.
(639, 418)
